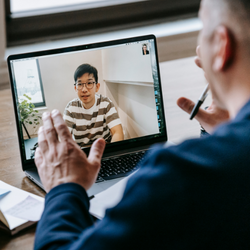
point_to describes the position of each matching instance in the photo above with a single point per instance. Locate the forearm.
(117, 133)
(117, 137)
(65, 217)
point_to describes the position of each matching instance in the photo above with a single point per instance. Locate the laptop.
(128, 73)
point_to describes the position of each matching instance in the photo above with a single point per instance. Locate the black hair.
(86, 68)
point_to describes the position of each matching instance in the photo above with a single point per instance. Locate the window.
(17, 6)
(27, 24)
(28, 81)
(31, 7)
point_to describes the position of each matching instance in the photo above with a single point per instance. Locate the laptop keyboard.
(121, 166)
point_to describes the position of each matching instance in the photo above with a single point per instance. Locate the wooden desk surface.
(179, 78)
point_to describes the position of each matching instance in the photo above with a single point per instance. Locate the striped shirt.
(87, 125)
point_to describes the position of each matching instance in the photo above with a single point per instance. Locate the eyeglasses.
(80, 85)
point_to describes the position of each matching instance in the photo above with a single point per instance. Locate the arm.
(64, 218)
(166, 204)
(117, 133)
(161, 207)
(66, 173)
(132, 224)
(114, 123)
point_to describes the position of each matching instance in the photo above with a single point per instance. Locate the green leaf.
(28, 114)
(27, 97)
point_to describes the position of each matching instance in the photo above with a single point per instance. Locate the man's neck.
(88, 105)
(237, 98)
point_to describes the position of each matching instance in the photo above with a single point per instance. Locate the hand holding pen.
(199, 103)
(210, 117)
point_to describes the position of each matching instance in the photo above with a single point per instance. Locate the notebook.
(126, 108)
(18, 209)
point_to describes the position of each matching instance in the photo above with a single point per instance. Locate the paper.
(3, 192)
(108, 198)
(15, 197)
(29, 209)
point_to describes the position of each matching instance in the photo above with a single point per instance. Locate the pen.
(199, 103)
(91, 197)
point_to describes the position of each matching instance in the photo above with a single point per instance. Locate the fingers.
(49, 129)
(185, 104)
(188, 105)
(60, 126)
(42, 141)
(38, 158)
(96, 151)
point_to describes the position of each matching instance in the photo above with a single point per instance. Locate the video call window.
(105, 92)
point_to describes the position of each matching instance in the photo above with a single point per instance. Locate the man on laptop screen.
(91, 116)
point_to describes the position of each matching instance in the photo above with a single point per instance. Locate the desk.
(179, 78)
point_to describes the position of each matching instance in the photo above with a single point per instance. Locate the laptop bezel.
(112, 148)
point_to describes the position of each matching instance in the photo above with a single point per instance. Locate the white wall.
(136, 104)
(136, 108)
(127, 63)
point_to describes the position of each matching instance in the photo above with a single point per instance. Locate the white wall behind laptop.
(128, 74)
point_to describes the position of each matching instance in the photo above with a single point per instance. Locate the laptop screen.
(107, 90)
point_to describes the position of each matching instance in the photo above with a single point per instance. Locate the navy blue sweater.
(191, 196)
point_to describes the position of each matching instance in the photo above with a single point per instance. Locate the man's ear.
(97, 87)
(223, 49)
(75, 88)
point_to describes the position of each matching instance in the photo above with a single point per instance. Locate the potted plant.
(28, 114)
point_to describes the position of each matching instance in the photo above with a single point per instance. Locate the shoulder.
(73, 103)
(217, 151)
(103, 101)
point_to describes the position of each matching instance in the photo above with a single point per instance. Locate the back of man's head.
(236, 16)
(244, 4)
(240, 9)
(225, 51)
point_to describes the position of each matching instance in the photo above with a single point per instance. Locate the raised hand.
(60, 160)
